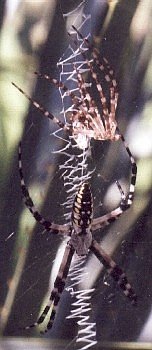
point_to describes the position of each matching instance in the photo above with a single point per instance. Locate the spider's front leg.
(41, 109)
(48, 225)
(114, 271)
(55, 296)
(126, 200)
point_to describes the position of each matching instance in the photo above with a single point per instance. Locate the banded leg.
(109, 77)
(104, 128)
(108, 117)
(48, 225)
(59, 84)
(126, 201)
(41, 108)
(77, 103)
(79, 107)
(114, 271)
(55, 296)
(93, 73)
(91, 109)
(88, 107)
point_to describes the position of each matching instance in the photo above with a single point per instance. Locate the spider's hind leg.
(114, 271)
(55, 296)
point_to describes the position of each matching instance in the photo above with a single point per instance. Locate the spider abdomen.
(82, 213)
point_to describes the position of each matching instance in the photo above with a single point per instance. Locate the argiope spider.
(85, 122)
(81, 241)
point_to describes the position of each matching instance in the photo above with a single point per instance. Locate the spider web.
(71, 63)
(81, 305)
(76, 170)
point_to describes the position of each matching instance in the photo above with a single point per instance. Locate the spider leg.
(59, 84)
(106, 219)
(109, 121)
(123, 197)
(55, 296)
(94, 74)
(48, 225)
(89, 107)
(79, 105)
(126, 201)
(92, 114)
(42, 109)
(109, 77)
(114, 271)
(108, 118)
(102, 97)
(82, 88)
(89, 103)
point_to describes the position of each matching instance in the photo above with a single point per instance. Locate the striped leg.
(55, 296)
(114, 271)
(48, 225)
(77, 102)
(108, 117)
(94, 74)
(126, 201)
(42, 109)
(81, 105)
(59, 84)
(109, 77)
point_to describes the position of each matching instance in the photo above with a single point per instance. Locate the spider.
(81, 241)
(85, 121)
